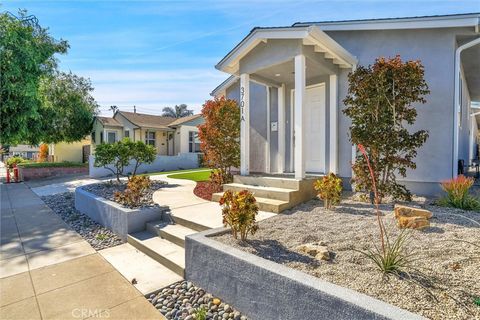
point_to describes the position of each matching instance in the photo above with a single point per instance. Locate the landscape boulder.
(317, 250)
(413, 218)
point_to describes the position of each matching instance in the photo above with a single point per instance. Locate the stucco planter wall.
(262, 289)
(112, 215)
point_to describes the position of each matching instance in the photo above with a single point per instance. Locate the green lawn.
(194, 176)
(174, 171)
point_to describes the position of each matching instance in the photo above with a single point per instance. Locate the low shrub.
(458, 195)
(65, 164)
(43, 153)
(220, 177)
(200, 313)
(238, 212)
(14, 161)
(132, 195)
(392, 258)
(329, 189)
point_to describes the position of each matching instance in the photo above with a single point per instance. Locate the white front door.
(315, 122)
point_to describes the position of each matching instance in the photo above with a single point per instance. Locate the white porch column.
(299, 121)
(281, 128)
(244, 124)
(333, 123)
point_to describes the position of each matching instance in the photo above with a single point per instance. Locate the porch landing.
(274, 193)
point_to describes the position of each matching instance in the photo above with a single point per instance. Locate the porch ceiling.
(471, 67)
(285, 72)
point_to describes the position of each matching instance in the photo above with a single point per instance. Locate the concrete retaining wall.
(161, 163)
(112, 215)
(263, 290)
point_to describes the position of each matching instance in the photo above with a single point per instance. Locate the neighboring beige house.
(77, 151)
(169, 136)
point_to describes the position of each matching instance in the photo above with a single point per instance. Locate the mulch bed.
(444, 282)
(205, 189)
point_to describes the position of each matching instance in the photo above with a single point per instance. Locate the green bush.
(14, 161)
(65, 164)
(238, 212)
(329, 189)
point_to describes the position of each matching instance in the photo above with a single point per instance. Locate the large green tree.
(381, 102)
(32, 108)
(67, 108)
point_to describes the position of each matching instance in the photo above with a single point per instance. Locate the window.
(101, 137)
(93, 137)
(111, 136)
(193, 142)
(127, 134)
(150, 138)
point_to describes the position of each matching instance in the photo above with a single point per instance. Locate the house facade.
(290, 83)
(169, 136)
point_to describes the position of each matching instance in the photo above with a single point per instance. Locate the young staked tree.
(220, 135)
(380, 103)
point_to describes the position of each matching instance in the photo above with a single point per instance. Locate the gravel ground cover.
(107, 190)
(444, 284)
(180, 300)
(63, 204)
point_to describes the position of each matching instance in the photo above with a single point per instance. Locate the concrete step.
(276, 182)
(264, 204)
(189, 224)
(165, 252)
(262, 192)
(175, 233)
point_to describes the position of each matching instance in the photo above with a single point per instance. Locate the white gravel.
(450, 264)
(99, 237)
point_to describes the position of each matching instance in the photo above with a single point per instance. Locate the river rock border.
(114, 216)
(263, 289)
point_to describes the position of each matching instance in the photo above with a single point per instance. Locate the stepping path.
(165, 242)
(47, 271)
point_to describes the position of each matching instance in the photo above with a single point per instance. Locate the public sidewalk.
(47, 271)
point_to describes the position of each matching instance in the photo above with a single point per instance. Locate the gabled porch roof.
(310, 35)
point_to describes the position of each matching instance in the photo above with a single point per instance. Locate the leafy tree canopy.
(29, 86)
(381, 103)
(220, 134)
(179, 111)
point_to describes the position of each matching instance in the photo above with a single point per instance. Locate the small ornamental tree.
(140, 153)
(380, 104)
(220, 135)
(113, 157)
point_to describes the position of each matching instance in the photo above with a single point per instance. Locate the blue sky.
(154, 54)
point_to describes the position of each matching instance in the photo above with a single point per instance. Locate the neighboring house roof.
(147, 120)
(183, 120)
(107, 121)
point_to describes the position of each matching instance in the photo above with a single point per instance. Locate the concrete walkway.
(47, 271)
(184, 204)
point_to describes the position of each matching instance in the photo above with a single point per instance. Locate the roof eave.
(230, 63)
(450, 21)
